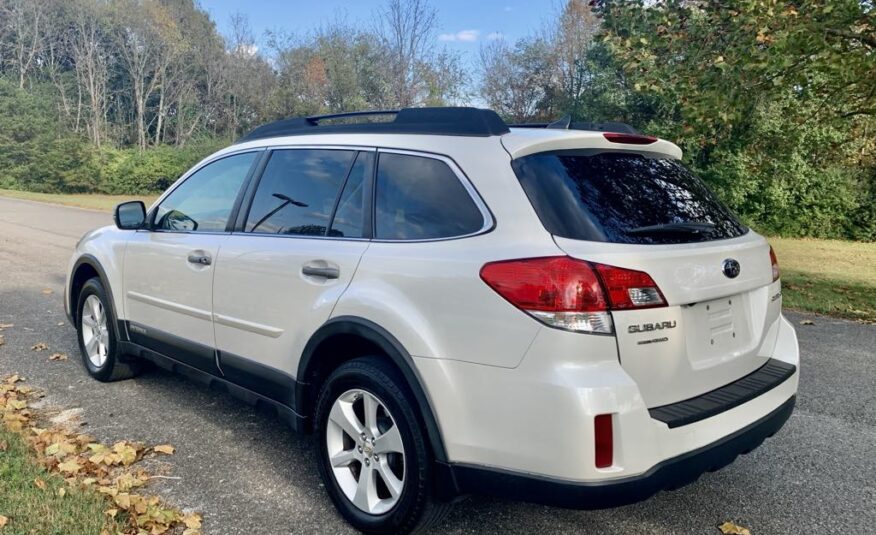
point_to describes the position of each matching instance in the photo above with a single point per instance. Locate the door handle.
(201, 259)
(326, 272)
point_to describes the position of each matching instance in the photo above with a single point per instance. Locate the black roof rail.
(566, 123)
(445, 121)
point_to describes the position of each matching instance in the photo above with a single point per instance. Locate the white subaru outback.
(555, 313)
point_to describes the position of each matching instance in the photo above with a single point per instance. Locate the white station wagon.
(556, 313)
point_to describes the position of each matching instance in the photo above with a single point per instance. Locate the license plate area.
(718, 330)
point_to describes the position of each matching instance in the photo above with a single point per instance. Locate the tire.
(107, 366)
(414, 508)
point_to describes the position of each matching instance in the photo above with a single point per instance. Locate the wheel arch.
(364, 337)
(87, 267)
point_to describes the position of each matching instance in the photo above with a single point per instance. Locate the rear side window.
(622, 198)
(420, 198)
(348, 221)
(298, 190)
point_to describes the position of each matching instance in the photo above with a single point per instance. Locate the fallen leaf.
(3, 445)
(6, 326)
(58, 356)
(2, 339)
(12, 379)
(167, 449)
(48, 291)
(3, 520)
(62, 492)
(60, 324)
(70, 467)
(192, 521)
(40, 484)
(729, 528)
(42, 346)
(807, 322)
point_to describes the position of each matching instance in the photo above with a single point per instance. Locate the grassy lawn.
(82, 200)
(828, 276)
(31, 509)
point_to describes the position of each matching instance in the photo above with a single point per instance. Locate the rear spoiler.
(566, 123)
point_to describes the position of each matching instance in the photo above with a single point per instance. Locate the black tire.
(113, 369)
(416, 508)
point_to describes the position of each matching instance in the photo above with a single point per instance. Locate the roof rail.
(444, 121)
(566, 123)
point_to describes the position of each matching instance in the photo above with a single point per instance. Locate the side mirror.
(130, 215)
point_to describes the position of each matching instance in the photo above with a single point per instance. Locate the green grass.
(831, 277)
(104, 203)
(33, 510)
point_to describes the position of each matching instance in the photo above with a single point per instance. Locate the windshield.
(622, 198)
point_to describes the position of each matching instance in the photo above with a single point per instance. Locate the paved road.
(248, 474)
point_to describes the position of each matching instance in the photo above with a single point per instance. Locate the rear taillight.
(775, 264)
(629, 139)
(571, 294)
(603, 438)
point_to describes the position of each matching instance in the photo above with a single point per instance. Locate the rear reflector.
(603, 437)
(571, 294)
(629, 139)
(775, 263)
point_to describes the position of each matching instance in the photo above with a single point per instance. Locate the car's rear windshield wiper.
(691, 227)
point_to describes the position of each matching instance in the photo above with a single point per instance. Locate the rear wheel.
(373, 456)
(98, 339)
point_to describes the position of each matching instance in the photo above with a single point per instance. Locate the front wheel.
(373, 456)
(98, 340)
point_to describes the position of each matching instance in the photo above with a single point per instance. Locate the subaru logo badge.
(731, 268)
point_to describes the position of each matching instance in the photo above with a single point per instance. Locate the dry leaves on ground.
(42, 346)
(86, 463)
(166, 449)
(48, 291)
(2, 339)
(807, 322)
(58, 356)
(3, 520)
(730, 528)
(6, 326)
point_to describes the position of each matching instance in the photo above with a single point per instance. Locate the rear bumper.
(670, 474)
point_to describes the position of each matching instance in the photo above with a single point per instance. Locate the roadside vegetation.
(55, 480)
(831, 277)
(93, 201)
(772, 102)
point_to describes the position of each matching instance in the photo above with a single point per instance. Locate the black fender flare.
(92, 262)
(391, 347)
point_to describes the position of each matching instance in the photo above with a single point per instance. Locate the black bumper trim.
(668, 475)
(758, 382)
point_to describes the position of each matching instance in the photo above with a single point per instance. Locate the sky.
(463, 24)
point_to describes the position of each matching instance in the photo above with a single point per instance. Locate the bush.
(129, 172)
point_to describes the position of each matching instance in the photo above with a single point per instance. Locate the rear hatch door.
(648, 213)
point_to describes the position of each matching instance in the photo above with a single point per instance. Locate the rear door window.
(420, 198)
(622, 198)
(298, 190)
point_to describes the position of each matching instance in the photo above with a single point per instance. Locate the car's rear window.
(619, 197)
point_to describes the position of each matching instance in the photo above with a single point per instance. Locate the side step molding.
(287, 414)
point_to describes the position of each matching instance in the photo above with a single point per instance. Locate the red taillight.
(571, 294)
(775, 264)
(553, 284)
(630, 289)
(603, 438)
(629, 139)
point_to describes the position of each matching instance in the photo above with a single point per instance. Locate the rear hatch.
(646, 212)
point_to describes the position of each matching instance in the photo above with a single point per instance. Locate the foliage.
(82, 470)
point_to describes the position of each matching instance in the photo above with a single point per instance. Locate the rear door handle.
(201, 259)
(326, 272)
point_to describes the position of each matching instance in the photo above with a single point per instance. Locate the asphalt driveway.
(249, 474)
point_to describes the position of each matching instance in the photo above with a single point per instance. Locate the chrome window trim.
(488, 221)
